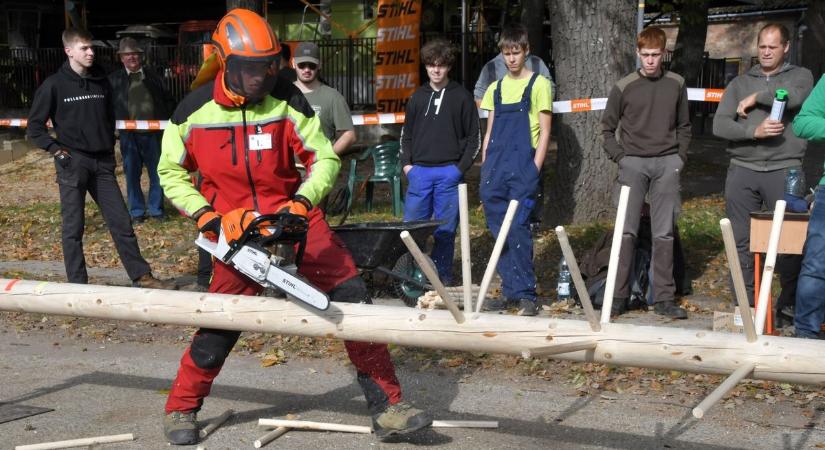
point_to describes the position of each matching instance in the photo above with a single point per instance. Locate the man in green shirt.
(329, 104)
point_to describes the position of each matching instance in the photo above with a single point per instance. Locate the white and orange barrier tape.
(560, 107)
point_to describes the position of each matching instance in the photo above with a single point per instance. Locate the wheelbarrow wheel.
(406, 291)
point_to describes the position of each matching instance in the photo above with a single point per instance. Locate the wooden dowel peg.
(578, 281)
(496, 254)
(318, 426)
(770, 262)
(431, 275)
(466, 260)
(269, 437)
(615, 249)
(214, 424)
(717, 394)
(738, 280)
(465, 424)
(84, 442)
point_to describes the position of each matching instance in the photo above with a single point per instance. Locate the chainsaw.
(265, 252)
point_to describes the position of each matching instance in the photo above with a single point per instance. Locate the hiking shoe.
(670, 309)
(181, 428)
(496, 305)
(618, 307)
(150, 282)
(400, 418)
(528, 307)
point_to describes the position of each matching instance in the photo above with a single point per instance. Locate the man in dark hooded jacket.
(77, 100)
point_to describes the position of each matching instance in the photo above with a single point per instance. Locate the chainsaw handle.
(290, 228)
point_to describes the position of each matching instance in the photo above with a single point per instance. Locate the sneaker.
(159, 218)
(670, 309)
(181, 428)
(618, 307)
(528, 307)
(400, 418)
(496, 305)
(150, 282)
(138, 219)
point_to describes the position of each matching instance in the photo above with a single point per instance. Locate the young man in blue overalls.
(518, 134)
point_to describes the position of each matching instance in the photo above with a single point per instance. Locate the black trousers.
(95, 175)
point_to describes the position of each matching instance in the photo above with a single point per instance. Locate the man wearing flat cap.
(138, 94)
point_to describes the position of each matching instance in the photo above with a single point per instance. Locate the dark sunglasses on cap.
(307, 65)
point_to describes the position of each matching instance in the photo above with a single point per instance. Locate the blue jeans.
(810, 289)
(432, 193)
(139, 149)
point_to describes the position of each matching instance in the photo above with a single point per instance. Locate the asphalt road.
(114, 388)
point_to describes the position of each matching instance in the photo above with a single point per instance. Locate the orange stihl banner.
(397, 44)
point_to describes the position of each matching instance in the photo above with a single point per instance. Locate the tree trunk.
(253, 5)
(532, 17)
(593, 47)
(813, 41)
(688, 54)
(775, 358)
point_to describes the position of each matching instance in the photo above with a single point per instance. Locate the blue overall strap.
(497, 93)
(525, 97)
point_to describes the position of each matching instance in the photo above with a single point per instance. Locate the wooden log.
(466, 260)
(465, 424)
(575, 272)
(431, 275)
(318, 426)
(215, 423)
(615, 249)
(559, 349)
(770, 262)
(269, 437)
(717, 394)
(497, 248)
(700, 351)
(738, 279)
(84, 442)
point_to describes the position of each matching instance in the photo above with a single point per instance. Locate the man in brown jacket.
(650, 147)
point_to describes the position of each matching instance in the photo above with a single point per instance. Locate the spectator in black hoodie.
(439, 141)
(77, 99)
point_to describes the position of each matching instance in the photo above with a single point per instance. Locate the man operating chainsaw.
(244, 132)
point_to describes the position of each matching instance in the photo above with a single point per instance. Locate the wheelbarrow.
(377, 247)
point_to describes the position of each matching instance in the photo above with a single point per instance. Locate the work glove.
(298, 206)
(209, 224)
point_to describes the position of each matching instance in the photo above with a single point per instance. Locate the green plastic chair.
(386, 160)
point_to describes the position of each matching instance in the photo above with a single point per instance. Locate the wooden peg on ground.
(318, 426)
(431, 275)
(497, 248)
(578, 281)
(465, 424)
(84, 442)
(269, 437)
(738, 280)
(615, 249)
(215, 423)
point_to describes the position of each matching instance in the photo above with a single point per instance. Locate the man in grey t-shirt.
(328, 103)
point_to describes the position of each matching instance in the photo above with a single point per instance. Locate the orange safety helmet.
(248, 51)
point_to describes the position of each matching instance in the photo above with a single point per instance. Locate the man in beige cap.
(329, 104)
(138, 94)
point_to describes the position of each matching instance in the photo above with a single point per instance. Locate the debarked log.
(700, 351)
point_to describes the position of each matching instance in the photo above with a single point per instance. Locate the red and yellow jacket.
(209, 134)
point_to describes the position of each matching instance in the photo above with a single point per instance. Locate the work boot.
(528, 307)
(181, 428)
(496, 305)
(150, 282)
(400, 418)
(670, 309)
(618, 307)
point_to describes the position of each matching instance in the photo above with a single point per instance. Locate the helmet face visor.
(252, 78)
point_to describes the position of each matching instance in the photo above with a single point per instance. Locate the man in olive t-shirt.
(328, 103)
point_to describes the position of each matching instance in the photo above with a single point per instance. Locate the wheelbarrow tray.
(375, 244)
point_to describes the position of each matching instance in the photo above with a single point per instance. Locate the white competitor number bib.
(260, 141)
